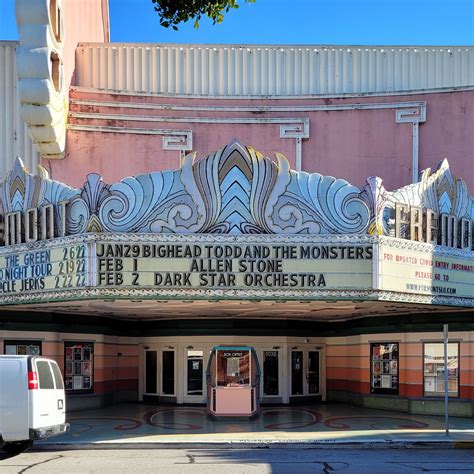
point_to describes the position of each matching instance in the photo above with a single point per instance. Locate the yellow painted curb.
(464, 444)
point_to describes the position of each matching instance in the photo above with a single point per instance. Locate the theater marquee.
(236, 225)
(235, 265)
(162, 264)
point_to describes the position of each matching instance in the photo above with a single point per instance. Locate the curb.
(464, 444)
(264, 444)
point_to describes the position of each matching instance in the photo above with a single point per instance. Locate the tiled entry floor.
(139, 423)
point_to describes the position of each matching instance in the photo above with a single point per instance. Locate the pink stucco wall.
(83, 20)
(351, 144)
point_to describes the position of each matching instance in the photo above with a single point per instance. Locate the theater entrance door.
(304, 373)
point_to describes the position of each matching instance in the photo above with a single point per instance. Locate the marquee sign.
(190, 266)
(423, 269)
(235, 225)
(229, 265)
(45, 269)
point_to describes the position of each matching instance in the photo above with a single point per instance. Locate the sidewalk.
(337, 424)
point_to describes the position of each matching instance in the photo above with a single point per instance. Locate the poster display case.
(78, 366)
(384, 368)
(433, 369)
(16, 347)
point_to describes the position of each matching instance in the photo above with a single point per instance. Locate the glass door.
(194, 383)
(151, 372)
(297, 385)
(305, 373)
(167, 372)
(271, 375)
(313, 372)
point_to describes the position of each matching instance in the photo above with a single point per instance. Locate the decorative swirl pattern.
(235, 190)
(317, 204)
(78, 216)
(132, 201)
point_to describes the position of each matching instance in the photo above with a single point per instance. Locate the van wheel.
(17, 447)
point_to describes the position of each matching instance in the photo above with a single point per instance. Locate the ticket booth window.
(433, 369)
(384, 367)
(78, 366)
(233, 382)
(233, 368)
(23, 348)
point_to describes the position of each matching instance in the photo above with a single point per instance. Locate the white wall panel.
(14, 138)
(227, 70)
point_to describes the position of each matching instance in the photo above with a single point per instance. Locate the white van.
(32, 401)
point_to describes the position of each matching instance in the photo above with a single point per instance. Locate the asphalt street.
(242, 460)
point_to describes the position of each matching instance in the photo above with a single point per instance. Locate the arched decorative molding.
(39, 67)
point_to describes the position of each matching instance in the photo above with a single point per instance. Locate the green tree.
(174, 12)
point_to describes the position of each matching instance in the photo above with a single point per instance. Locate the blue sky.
(410, 22)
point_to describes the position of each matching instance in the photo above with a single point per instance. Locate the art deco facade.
(185, 199)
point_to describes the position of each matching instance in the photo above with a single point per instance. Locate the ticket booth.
(233, 378)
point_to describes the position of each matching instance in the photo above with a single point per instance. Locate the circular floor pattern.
(172, 425)
(130, 423)
(372, 422)
(298, 418)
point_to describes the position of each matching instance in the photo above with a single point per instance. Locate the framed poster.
(86, 354)
(386, 381)
(68, 383)
(452, 385)
(452, 372)
(376, 352)
(68, 353)
(79, 366)
(77, 383)
(430, 384)
(429, 368)
(384, 367)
